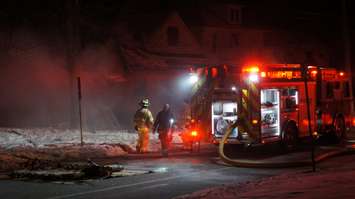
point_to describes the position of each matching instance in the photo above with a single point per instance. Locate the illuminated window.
(173, 36)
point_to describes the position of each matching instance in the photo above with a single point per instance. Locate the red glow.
(214, 72)
(251, 69)
(284, 74)
(194, 133)
(313, 73)
(341, 74)
(263, 74)
(353, 122)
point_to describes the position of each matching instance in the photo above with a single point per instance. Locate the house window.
(234, 15)
(234, 40)
(173, 36)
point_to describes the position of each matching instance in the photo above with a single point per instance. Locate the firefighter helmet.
(144, 102)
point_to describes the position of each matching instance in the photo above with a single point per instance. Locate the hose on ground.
(263, 164)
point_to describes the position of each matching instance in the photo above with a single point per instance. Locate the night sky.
(50, 14)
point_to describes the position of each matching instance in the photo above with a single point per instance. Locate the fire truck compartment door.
(224, 113)
(270, 112)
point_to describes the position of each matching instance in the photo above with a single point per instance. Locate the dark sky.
(50, 13)
(98, 16)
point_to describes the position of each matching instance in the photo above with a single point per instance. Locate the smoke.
(37, 89)
(33, 83)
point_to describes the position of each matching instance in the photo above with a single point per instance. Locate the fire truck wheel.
(339, 127)
(289, 136)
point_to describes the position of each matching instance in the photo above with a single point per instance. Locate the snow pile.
(51, 137)
(42, 137)
(327, 183)
(20, 157)
(19, 146)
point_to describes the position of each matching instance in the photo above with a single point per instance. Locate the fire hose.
(263, 164)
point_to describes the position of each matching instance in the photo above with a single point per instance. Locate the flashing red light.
(341, 74)
(193, 133)
(353, 121)
(214, 72)
(313, 73)
(251, 69)
(263, 74)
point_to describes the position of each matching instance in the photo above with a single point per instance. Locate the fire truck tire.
(289, 135)
(339, 127)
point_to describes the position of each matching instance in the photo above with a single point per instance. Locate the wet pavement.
(172, 176)
(181, 173)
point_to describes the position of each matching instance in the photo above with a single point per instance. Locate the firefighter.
(163, 124)
(143, 121)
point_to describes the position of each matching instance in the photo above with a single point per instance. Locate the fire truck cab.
(270, 104)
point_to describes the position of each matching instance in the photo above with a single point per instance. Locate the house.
(217, 34)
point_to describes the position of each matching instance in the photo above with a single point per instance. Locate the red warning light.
(251, 69)
(313, 73)
(214, 72)
(263, 74)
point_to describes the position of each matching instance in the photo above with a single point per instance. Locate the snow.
(17, 146)
(336, 181)
(45, 137)
(42, 137)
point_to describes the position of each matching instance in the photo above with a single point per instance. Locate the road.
(172, 176)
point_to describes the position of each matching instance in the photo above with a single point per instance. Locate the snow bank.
(44, 137)
(41, 137)
(335, 182)
(17, 146)
(20, 157)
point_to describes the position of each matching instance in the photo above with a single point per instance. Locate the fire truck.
(270, 103)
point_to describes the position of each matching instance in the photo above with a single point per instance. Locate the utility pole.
(305, 79)
(71, 53)
(80, 116)
(308, 61)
